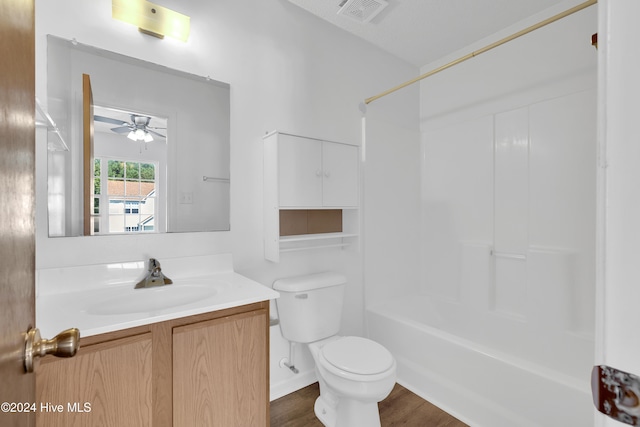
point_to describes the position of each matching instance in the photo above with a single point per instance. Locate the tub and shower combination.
(499, 329)
(487, 297)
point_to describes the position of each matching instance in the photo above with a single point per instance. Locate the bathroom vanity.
(200, 362)
(209, 369)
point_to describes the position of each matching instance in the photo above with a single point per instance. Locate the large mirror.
(133, 147)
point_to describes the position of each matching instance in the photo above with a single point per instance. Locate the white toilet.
(354, 373)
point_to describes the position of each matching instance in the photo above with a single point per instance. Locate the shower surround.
(499, 330)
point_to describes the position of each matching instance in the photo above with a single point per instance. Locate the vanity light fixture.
(152, 19)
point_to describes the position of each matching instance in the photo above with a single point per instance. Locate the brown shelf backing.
(310, 221)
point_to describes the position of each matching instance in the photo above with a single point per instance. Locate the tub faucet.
(154, 277)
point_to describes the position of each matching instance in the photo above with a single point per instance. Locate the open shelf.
(322, 236)
(305, 242)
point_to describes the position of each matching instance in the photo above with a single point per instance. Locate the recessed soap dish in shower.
(362, 10)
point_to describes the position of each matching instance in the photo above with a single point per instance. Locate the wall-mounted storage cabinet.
(302, 173)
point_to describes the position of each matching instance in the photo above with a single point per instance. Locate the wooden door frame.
(87, 154)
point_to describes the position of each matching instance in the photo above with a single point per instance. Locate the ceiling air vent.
(362, 10)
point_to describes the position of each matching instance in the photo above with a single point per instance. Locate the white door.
(340, 174)
(299, 171)
(618, 295)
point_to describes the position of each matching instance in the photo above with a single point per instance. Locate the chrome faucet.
(154, 277)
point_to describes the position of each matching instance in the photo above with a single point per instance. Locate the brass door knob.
(65, 344)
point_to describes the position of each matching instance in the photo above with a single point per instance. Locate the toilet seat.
(356, 356)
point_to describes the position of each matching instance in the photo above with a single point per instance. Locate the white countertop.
(96, 308)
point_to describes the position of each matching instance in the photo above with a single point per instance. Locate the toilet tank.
(310, 307)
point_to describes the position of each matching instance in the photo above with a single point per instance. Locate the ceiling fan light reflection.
(140, 135)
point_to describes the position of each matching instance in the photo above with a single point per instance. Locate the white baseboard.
(295, 383)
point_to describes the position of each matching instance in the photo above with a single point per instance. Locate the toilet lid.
(358, 355)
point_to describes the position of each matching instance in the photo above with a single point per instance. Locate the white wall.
(619, 203)
(391, 205)
(557, 58)
(287, 70)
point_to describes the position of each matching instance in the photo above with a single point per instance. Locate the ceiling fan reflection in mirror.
(137, 129)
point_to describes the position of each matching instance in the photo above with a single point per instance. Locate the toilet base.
(347, 413)
(325, 412)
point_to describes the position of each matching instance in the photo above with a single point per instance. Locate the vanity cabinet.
(209, 369)
(312, 175)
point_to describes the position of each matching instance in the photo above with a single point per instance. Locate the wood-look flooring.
(400, 408)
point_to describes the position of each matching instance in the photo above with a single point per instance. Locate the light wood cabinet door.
(107, 385)
(220, 372)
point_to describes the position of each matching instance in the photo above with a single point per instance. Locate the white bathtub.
(486, 368)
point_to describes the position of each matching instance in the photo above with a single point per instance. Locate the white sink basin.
(149, 300)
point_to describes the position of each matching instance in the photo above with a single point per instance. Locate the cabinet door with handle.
(340, 175)
(220, 372)
(106, 384)
(299, 171)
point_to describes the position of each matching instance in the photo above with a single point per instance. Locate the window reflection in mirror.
(130, 164)
(187, 117)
